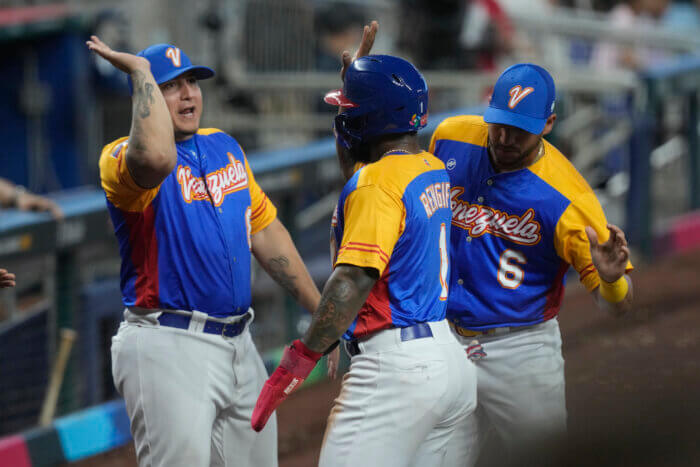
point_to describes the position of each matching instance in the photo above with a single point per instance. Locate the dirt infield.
(633, 384)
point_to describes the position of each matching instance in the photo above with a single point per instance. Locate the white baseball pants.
(401, 402)
(521, 398)
(190, 396)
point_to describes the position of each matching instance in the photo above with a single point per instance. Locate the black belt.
(415, 331)
(210, 327)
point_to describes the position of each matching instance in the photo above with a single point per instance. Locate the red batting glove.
(297, 362)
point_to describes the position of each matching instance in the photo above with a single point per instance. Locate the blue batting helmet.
(381, 95)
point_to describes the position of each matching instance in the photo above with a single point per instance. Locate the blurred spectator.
(7, 279)
(486, 33)
(15, 196)
(683, 17)
(338, 27)
(454, 34)
(631, 15)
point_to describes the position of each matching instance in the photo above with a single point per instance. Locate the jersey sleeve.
(433, 139)
(120, 188)
(263, 212)
(373, 220)
(571, 241)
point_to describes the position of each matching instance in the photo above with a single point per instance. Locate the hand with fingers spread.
(609, 258)
(123, 61)
(7, 279)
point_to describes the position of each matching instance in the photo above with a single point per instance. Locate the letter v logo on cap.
(517, 93)
(173, 53)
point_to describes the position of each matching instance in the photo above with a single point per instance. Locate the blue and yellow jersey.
(185, 244)
(393, 216)
(514, 234)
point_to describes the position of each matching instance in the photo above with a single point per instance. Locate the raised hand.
(123, 61)
(609, 258)
(368, 35)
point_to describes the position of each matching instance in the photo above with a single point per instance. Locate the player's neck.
(406, 144)
(533, 156)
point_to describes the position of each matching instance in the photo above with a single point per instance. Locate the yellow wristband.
(614, 292)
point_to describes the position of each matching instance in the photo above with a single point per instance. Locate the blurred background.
(627, 76)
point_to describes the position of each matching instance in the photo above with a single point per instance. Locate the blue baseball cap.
(523, 97)
(169, 62)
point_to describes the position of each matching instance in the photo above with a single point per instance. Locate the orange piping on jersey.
(370, 245)
(382, 256)
(586, 271)
(260, 209)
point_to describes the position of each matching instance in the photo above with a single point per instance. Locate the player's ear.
(549, 124)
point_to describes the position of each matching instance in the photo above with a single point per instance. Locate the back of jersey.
(394, 216)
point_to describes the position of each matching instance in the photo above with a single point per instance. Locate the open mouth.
(187, 112)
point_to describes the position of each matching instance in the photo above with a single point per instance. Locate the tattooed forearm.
(143, 95)
(279, 270)
(344, 294)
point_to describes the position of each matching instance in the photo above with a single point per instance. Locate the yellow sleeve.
(570, 238)
(263, 212)
(120, 188)
(433, 140)
(373, 224)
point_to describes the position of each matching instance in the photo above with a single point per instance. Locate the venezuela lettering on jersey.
(224, 181)
(479, 220)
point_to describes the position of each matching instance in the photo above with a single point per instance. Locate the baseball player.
(521, 217)
(187, 212)
(409, 385)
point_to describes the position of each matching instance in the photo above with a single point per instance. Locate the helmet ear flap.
(348, 130)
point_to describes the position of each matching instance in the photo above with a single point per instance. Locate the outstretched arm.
(276, 253)
(344, 293)
(151, 154)
(14, 196)
(615, 293)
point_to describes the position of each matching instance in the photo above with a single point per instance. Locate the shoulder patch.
(118, 148)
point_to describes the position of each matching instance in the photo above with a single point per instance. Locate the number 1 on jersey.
(444, 262)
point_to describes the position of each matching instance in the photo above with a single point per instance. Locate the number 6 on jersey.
(510, 276)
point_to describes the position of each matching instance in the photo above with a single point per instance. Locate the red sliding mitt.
(296, 364)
